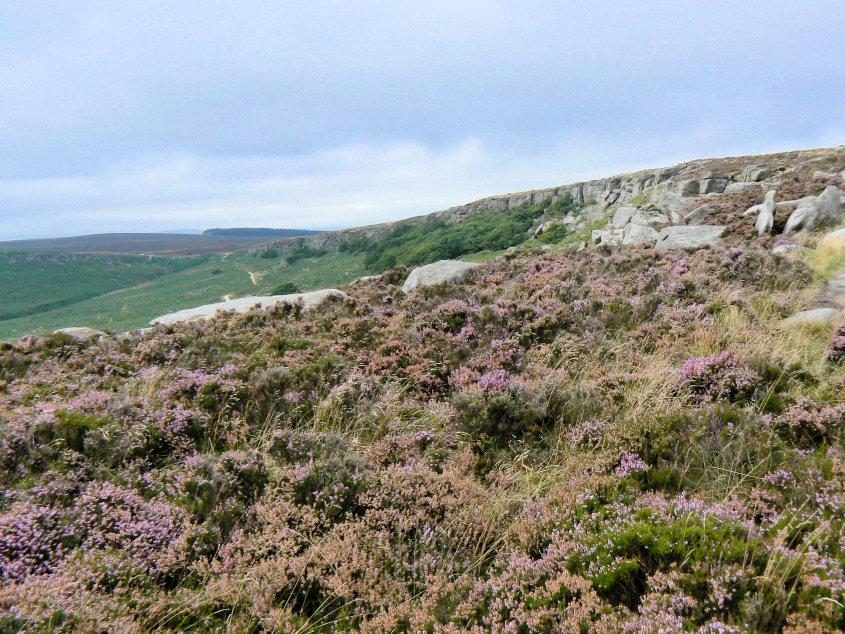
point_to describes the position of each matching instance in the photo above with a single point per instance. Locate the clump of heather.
(719, 377)
(836, 349)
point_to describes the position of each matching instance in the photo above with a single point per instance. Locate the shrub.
(719, 377)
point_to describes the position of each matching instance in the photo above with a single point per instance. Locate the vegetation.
(258, 232)
(431, 240)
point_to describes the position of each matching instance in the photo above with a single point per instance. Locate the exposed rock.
(650, 217)
(789, 249)
(80, 332)
(697, 215)
(638, 234)
(689, 236)
(623, 215)
(668, 201)
(738, 188)
(438, 272)
(541, 229)
(813, 213)
(714, 185)
(310, 299)
(755, 173)
(766, 217)
(834, 238)
(815, 317)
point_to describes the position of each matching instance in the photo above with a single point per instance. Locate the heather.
(567, 441)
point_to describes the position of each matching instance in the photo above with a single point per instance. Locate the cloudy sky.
(155, 116)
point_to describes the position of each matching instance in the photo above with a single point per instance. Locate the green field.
(107, 296)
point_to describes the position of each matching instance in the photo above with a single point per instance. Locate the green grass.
(203, 281)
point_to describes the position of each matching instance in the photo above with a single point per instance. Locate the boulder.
(437, 273)
(766, 217)
(697, 215)
(541, 229)
(815, 317)
(689, 236)
(609, 237)
(714, 185)
(789, 249)
(651, 217)
(80, 332)
(755, 173)
(833, 239)
(623, 215)
(689, 188)
(668, 201)
(310, 299)
(638, 234)
(739, 188)
(812, 213)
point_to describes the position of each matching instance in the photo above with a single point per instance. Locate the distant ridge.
(258, 232)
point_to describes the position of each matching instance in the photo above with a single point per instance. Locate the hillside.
(240, 265)
(624, 437)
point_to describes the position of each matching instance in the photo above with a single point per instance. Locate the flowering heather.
(836, 349)
(719, 377)
(519, 453)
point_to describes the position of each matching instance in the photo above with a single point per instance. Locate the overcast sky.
(151, 116)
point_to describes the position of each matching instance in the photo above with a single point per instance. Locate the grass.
(131, 302)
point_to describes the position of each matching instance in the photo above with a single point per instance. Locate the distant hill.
(258, 232)
(137, 243)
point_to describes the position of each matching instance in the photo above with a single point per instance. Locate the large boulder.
(697, 215)
(766, 217)
(755, 173)
(689, 236)
(638, 234)
(789, 249)
(651, 217)
(812, 213)
(310, 299)
(739, 188)
(437, 273)
(623, 215)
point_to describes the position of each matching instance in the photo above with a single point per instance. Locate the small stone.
(815, 317)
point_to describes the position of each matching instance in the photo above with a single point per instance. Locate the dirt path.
(832, 294)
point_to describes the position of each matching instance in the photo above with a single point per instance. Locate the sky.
(158, 116)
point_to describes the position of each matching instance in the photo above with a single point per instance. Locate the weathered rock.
(766, 217)
(638, 234)
(542, 228)
(738, 188)
(812, 213)
(833, 239)
(610, 237)
(697, 215)
(80, 332)
(689, 188)
(714, 185)
(623, 215)
(651, 217)
(815, 317)
(689, 236)
(437, 273)
(668, 201)
(789, 249)
(755, 173)
(310, 299)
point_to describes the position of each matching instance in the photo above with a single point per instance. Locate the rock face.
(638, 234)
(245, 304)
(78, 332)
(689, 236)
(815, 317)
(812, 212)
(437, 273)
(755, 173)
(766, 217)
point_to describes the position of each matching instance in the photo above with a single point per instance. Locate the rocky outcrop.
(438, 273)
(789, 249)
(755, 173)
(815, 212)
(766, 217)
(689, 236)
(310, 299)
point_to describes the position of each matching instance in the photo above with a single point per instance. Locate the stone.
(697, 215)
(541, 229)
(714, 185)
(668, 201)
(437, 273)
(638, 234)
(755, 173)
(789, 249)
(739, 188)
(815, 317)
(766, 217)
(689, 188)
(813, 213)
(309, 300)
(833, 239)
(689, 236)
(80, 332)
(623, 215)
(651, 217)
